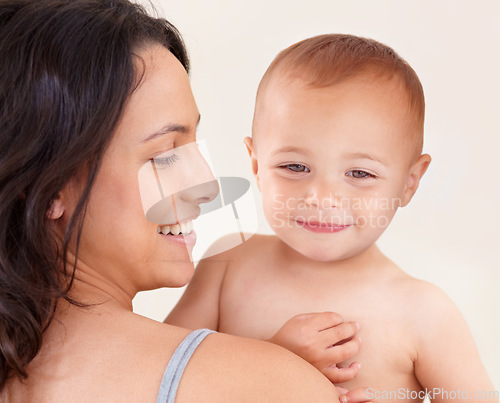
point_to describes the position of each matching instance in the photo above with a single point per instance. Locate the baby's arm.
(198, 308)
(447, 357)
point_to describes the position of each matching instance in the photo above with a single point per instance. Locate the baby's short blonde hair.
(326, 60)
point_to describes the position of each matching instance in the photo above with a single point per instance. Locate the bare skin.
(405, 341)
(108, 354)
(341, 154)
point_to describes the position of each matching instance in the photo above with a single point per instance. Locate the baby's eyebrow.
(365, 156)
(291, 149)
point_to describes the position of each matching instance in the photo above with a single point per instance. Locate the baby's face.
(334, 164)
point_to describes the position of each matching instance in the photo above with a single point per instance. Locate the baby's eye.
(165, 160)
(359, 174)
(296, 167)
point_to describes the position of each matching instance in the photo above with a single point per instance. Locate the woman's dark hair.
(66, 71)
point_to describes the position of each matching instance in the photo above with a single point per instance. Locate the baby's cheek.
(276, 213)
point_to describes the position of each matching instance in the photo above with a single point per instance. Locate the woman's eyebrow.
(169, 128)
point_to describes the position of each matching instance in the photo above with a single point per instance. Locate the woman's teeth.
(183, 228)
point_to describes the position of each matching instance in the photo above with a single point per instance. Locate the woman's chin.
(182, 275)
(172, 275)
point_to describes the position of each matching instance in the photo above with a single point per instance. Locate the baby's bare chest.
(256, 303)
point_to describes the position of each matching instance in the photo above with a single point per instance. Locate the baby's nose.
(324, 194)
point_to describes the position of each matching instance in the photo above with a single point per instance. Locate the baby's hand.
(324, 340)
(358, 395)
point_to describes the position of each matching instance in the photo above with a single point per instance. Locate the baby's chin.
(318, 252)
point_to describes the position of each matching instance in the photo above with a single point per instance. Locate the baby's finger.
(336, 334)
(339, 375)
(357, 396)
(323, 320)
(333, 355)
(342, 391)
(342, 352)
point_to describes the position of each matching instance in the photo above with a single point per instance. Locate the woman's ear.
(416, 172)
(56, 209)
(253, 156)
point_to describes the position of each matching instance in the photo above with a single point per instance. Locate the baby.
(336, 149)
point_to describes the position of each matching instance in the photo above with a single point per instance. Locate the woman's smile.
(181, 232)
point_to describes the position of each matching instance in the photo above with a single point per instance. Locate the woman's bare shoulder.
(98, 356)
(224, 368)
(230, 368)
(125, 356)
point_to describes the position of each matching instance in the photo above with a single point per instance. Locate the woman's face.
(118, 241)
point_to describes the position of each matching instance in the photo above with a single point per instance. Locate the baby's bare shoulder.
(236, 247)
(422, 301)
(427, 293)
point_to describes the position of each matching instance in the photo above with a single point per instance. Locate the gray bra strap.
(177, 365)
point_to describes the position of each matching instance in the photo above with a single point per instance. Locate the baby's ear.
(416, 172)
(56, 209)
(253, 156)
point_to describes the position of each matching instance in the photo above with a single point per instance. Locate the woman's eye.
(359, 174)
(165, 160)
(296, 167)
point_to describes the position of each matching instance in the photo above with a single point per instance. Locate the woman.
(90, 91)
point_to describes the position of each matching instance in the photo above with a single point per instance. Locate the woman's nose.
(202, 193)
(200, 185)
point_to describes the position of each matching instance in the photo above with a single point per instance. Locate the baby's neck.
(359, 264)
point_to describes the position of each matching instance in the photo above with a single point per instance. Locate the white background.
(449, 234)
